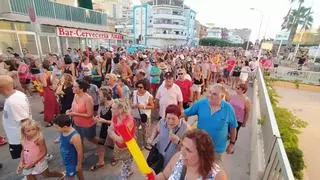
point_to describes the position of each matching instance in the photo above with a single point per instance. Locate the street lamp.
(261, 13)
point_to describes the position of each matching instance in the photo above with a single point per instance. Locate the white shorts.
(39, 168)
(196, 88)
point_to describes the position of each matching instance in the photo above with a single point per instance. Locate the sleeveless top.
(238, 105)
(115, 94)
(163, 139)
(141, 100)
(67, 70)
(67, 150)
(80, 107)
(177, 170)
(30, 151)
(197, 81)
(128, 119)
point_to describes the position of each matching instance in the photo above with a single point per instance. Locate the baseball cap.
(169, 75)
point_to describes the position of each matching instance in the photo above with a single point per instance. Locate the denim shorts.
(86, 132)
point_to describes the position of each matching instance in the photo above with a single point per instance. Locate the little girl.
(33, 156)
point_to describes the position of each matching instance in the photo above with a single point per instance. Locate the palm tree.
(298, 17)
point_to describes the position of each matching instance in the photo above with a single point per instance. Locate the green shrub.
(217, 42)
(289, 127)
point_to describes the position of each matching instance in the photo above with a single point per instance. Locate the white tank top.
(141, 100)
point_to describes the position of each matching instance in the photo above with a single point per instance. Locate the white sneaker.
(49, 157)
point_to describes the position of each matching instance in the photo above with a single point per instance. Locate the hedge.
(217, 42)
(289, 127)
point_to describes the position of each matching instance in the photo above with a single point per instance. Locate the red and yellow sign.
(73, 32)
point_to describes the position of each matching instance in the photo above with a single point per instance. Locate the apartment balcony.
(169, 26)
(169, 36)
(54, 13)
(169, 16)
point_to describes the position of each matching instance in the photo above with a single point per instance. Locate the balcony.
(169, 36)
(168, 16)
(55, 13)
(169, 26)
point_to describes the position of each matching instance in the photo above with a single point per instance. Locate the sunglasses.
(140, 87)
(180, 74)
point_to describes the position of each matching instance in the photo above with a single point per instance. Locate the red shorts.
(154, 86)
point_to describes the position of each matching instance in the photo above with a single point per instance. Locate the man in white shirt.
(16, 109)
(168, 93)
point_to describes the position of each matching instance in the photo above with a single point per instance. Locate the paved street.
(236, 165)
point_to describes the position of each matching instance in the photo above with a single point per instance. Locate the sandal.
(114, 162)
(63, 176)
(96, 167)
(48, 125)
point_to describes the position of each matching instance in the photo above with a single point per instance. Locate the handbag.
(155, 159)
(143, 116)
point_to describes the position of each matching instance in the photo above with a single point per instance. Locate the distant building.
(244, 33)
(214, 32)
(160, 23)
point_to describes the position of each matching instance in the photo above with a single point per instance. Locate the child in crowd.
(33, 156)
(71, 149)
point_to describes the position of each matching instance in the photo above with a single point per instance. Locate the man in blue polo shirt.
(217, 118)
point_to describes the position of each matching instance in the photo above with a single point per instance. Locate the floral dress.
(176, 172)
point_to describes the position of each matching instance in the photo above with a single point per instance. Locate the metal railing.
(300, 75)
(276, 163)
(48, 9)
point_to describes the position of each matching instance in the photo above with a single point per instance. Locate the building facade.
(159, 23)
(54, 27)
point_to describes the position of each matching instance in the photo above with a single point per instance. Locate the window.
(114, 10)
(44, 45)
(9, 40)
(28, 41)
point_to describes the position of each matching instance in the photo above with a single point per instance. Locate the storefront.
(52, 39)
(79, 38)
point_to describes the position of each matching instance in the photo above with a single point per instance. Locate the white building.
(214, 32)
(160, 23)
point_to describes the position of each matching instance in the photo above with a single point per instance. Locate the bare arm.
(221, 176)
(247, 110)
(76, 141)
(150, 104)
(120, 92)
(43, 80)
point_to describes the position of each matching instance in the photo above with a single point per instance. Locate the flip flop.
(96, 167)
(114, 162)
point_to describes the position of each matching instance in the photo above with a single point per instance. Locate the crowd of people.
(152, 93)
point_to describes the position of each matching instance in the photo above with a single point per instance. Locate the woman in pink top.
(82, 111)
(33, 159)
(241, 104)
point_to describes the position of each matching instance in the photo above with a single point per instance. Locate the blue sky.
(237, 14)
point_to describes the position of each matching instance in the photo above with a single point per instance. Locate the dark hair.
(46, 65)
(243, 87)
(62, 120)
(246, 63)
(220, 80)
(91, 57)
(67, 59)
(144, 83)
(88, 79)
(173, 109)
(84, 85)
(204, 146)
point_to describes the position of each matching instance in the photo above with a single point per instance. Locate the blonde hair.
(30, 123)
(6, 81)
(123, 105)
(112, 76)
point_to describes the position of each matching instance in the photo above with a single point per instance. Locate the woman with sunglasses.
(142, 103)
